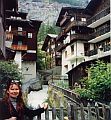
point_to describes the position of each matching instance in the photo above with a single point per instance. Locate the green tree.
(43, 60)
(40, 59)
(8, 70)
(46, 29)
(97, 85)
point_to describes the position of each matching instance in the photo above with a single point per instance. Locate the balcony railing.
(19, 47)
(106, 48)
(22, 33)
(73, 23)
(61, 36)
(91, 52)
(60, 47)
(9, 35)
(95, 51)
(100, 32)
(98, 16)
(79, 36)
(64, 20)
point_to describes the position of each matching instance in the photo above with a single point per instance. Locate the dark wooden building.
(99, 21)
(4, 6)
(74, 32)
(49, 47)
(20, 42)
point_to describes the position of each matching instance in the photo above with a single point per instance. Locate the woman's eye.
(14, 89)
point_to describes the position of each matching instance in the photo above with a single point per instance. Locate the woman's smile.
(13, 91)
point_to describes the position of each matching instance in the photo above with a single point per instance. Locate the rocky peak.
(43, 10)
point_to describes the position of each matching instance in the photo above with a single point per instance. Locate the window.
(72, 19)
(10, 28)
(72, 65)
(66, 41)
(19, 28)
(29, 35)
(65, 54)
(73, 32)
(66, 68)
(83, 19)
(19, 42)
(72, 49)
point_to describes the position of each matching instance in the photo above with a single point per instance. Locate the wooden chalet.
(72, 19)
(49, 46)
(99, 21)
(21, 41)
(24, 34)
(79, 72)
(5, 5)
(74, 32)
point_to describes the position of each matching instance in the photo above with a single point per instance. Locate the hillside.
(47, 10)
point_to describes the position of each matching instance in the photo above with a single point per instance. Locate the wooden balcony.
(100, 32)
(91, 52)
(64, 20)
(61, 36)
(98, 16)
(21, 33)
(9, 35)
(19, 47)
(72, 24)
(106, 48)
(80, 37)
(60, 47)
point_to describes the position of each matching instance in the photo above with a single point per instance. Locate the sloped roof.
(11, 4)
(92, 6)
(88, 63)
(29, 57)
(35, 24)
(69, 10)
(47, 39)
(15, 14)
(10, 54)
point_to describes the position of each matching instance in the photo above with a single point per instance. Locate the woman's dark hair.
(19, 100)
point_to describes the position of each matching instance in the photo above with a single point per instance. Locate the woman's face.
(13, 91)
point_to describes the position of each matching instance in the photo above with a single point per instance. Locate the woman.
(12, 106)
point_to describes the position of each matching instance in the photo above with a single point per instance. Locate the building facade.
(84, 38)
(18, 39)
(100, 42)
(5, 5)
(49, 47)
(73, 39)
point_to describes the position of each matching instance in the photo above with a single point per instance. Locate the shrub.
(9, 70)
(97, 85)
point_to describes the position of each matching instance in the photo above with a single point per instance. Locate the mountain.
(47, 10)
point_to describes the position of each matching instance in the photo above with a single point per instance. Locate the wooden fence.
(78, 112)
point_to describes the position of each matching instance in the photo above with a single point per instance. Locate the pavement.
(36, 98)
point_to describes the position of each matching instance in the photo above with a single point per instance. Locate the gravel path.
(38, 97)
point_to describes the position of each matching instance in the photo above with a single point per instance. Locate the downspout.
(76, 53)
